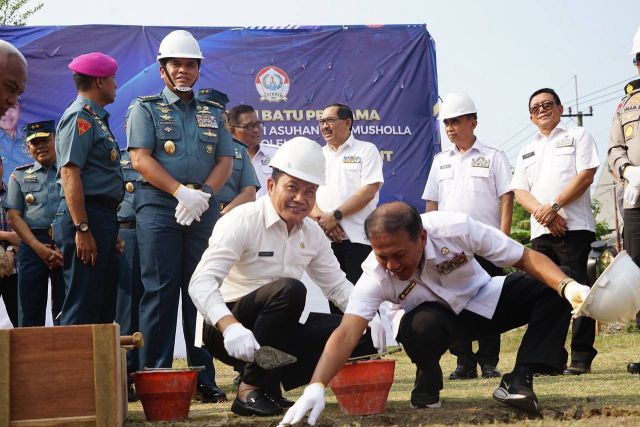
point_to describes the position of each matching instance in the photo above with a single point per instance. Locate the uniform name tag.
(448, 266)
(30, 178)
(566, 141)
(480, 162)
(352, 159)
(206, 121)
(445, 166)
(526, 156)
(261, 253)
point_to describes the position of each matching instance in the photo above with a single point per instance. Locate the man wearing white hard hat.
(472, 178)
(247, 284)
(179, 143)
(624, 160)
(551, 181)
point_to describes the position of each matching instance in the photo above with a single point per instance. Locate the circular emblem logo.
(272, 84)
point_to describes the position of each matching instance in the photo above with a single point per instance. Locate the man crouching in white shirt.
(426, 264)
(247, 283)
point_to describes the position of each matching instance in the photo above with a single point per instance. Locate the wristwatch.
(82, 226)
(622, 168)
(10, 249)
(556, 207)
(337, 214)
(207, 189)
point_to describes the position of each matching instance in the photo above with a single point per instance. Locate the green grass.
(609, 396)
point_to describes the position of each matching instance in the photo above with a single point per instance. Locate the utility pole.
(579, 114)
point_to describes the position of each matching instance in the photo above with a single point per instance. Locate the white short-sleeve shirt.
(250, 247)
(545, 167)
(471, 182)
(260, 163)
(354, 164)
(450, 275)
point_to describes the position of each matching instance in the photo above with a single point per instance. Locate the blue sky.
(497, 51)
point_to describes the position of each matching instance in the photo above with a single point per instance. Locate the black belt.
(188, 185)
(103, 201)
(128, 225)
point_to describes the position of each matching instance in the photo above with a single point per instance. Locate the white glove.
(378, 334)
(240, 342)
(183, 215)
(194, 200)
(631, 193)
(576, 293)
(632, 175)
(311, 400)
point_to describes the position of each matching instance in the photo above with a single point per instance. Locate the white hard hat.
(615, 296)
(301, 158)
(457, 104)
(635, 48)
(179, 44)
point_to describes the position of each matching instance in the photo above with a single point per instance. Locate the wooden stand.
(66, 375)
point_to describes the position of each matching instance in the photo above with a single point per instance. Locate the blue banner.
(386, 74)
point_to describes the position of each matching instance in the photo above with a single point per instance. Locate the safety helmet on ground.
(179, 44)
(457, 104)
(615, 296)
(635, 48)
(301, 158)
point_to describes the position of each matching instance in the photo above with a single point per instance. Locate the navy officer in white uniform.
(426, 264)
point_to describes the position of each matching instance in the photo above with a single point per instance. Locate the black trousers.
(427, 331)
(488, 346)
(572, 251)
(631, 238)
(9, 294)
(272, 313)
(350, 256)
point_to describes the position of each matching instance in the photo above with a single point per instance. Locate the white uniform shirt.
(471, 182)
(456, 285)
(353, 165)
(260, 163)
(250, 247)
(545, 167)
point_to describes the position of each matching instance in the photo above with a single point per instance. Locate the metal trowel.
(271, 358)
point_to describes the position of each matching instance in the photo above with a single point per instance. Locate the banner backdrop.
(386, 74)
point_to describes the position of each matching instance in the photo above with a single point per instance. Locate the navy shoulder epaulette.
(27, 166)
(147, 98)
(88, 109)
(213, 97)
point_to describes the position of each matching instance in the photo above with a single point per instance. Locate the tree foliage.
(12, 13)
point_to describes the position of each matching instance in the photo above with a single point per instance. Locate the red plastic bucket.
(165, 395)
(362, 388)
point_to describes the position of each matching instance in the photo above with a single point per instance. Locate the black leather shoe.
(132, 396)
(577, 368)
(277, 397)
(490, 371)
(210, 394)
(464, 373)
(633, 368)
(257, 404)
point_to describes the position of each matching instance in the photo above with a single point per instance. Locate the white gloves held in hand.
(575, 293)
(195, 201)
(632, 175)
(631, 193)
(240, 342)
(311, 400)
(183, 215)
(378, 334)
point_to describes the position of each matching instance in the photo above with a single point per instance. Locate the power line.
(580, 98)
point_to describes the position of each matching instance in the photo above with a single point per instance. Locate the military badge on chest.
(446, 267)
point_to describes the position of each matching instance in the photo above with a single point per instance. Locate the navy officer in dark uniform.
(243, 184)
(32, 201)
(86, 225)
(180, 145)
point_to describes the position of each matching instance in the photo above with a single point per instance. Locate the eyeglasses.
(329, 121)
(250, 126)
(542, 107)
(636, 60)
